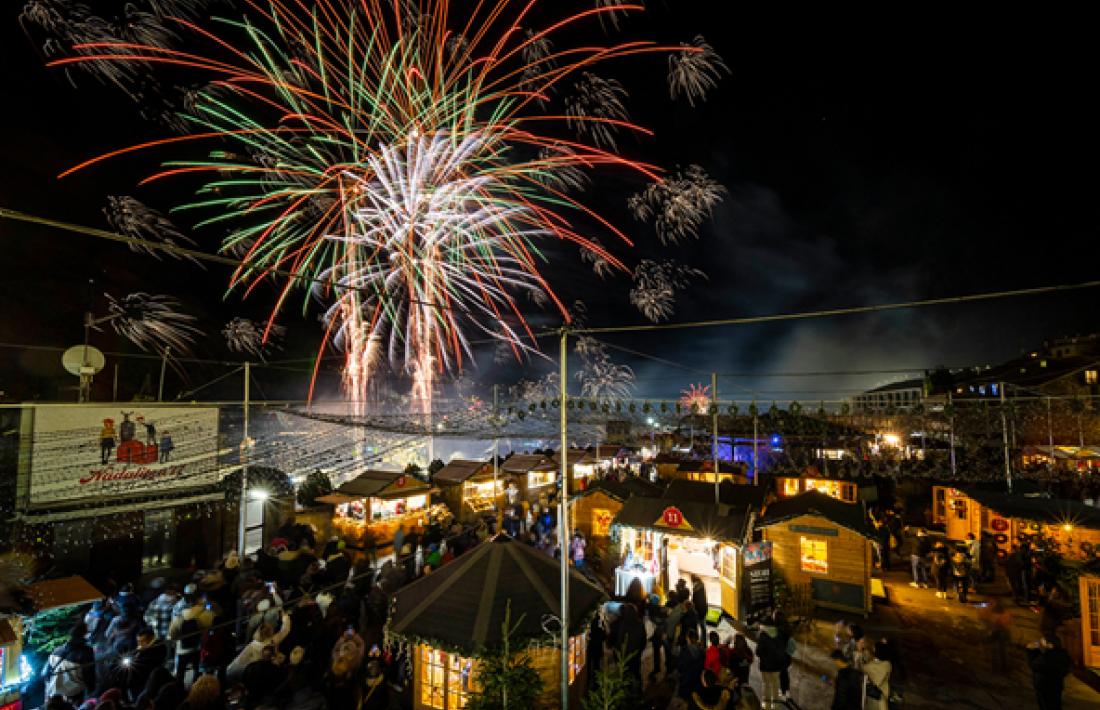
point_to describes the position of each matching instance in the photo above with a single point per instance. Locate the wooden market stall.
(467, 487)
(471, 594)
(848, 490)
(596, 507)
(1089, 581)
(1073, 526)
(12, 663)
(369, 508)
(663, 539)
(534, 475)
(696, 470)
(825, 543)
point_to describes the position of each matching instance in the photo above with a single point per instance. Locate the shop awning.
(66, 591)
(96, 512)
(459, 471)
(335, 499)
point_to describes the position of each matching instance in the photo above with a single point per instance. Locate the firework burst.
(679, 204)
(692, 74)
(152, 322)
(247, 336)
(696, 398)
(656, 285)
(134, 219)
(399, 172)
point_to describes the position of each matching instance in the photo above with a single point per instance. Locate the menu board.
(758, 571)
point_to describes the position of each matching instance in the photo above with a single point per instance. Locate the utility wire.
(851, 310)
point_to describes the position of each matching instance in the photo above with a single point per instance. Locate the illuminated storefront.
(371, 506)
(467, 487)
(443, 654)
(825, 543)
(664, 540)
(846, 490)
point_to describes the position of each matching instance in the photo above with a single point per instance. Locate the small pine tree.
(505, 679)
(435, 466)
(317, 484)
(614, 687)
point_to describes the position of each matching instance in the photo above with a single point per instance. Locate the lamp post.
(563, 523)
(714, 430)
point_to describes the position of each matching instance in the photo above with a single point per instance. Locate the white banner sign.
(97, 451)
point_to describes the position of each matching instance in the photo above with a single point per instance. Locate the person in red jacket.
(713, 659)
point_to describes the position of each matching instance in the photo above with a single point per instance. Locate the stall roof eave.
(1051, 511)
(460, 471)
(847, 515)
(63, 592)
(717, 522)
(335, 499)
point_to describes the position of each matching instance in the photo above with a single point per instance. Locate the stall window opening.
(540, 478)
(382, 509)
(814, 555)
(446, 680)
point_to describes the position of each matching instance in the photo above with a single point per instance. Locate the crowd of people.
(297, 625)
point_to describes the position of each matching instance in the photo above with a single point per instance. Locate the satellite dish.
(75, 363)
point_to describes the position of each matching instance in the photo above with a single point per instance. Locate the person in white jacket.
(876, 673)
(266, 635)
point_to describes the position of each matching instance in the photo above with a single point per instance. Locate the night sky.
(868, 159)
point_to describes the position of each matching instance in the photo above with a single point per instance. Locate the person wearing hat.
(187, 631)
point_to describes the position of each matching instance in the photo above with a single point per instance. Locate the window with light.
(814, 555)
(790, 486)
(541, 478)
(1090, 377)
(578, 647)
(446, 680)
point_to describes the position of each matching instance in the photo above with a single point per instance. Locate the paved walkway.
(947, 664)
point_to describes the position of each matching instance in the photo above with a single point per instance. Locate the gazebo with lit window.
(449, 616)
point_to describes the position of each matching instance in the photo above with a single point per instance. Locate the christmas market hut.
(584, 465)
(450, 616)
(595, 507)
(662, 540)
(467, 487)
(703, 470)
(1071, 526)
(830, 482)
(369, 508)
(825, 543)
(534, 475)
(1089, 581)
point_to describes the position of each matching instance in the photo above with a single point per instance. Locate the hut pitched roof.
(522, 463)
(458, 471)
(1053, 511)
(720, 522)
(372, 483)
(729, 493)
(621, 490)
(847, 515)
(461, 605)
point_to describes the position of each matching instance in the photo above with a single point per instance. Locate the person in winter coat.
(597, 636)
(712, 658)
(1050, 664)
(848, 686)
(711, 695)
(939, 569)
(702, 606)
(689, 620)
(149, 655)
(659, 640)
(689, 666)
(740, 660)
(960, 572)
(70, 669)
(629, 637)
(876, 672)
(265, 636)
(771, 654)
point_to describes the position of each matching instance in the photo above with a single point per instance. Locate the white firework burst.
(601, 266)
(179, 8)
(152, 322)
(561, 170)
(679, 204)
(694, 71)
(134, 219)
(595, 107)
(536, 390)
(605, 381)
(537, 49)
(615, 11)
(139, 27)
(656, 285)
(247, 336)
